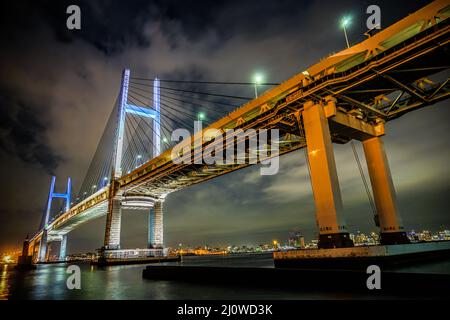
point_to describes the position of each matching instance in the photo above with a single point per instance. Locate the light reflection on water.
(4, 283)
(126, 282)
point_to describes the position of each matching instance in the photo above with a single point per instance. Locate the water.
(126, 282)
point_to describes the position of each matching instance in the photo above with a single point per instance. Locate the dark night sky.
(57, 88)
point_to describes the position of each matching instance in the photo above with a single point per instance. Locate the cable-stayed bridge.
(347, 96)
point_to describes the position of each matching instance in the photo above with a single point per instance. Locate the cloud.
(23, 132)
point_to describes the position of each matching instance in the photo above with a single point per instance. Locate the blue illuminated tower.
(126, 108)
(112, 233)
(52, 194)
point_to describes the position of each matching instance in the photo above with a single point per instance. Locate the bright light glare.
(345, 21)
(201, 115)
(258, 78)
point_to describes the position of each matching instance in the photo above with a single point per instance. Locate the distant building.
(25, 260)
(297, 240)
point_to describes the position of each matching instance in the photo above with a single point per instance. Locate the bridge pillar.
(324, 178)
(47, 252)
(62, 248)
(34, 252)
(43, 246)
(391, 227)
(155, 226)
(113, 223)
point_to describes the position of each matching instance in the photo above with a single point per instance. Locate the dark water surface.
(126, 282)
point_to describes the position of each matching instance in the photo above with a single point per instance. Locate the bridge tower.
(125, 109)
(43, 245)
(113, 220)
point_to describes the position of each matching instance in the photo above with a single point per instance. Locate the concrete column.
(34, 252)
(151, 224)
(391, 226)
(47, 255)
(156, 229)
(62, 249)
(113, 222)
(42, 253)
(325, 183)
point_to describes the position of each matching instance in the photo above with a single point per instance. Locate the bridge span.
(347, 96)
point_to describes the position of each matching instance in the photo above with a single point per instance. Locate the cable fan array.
(181, 103)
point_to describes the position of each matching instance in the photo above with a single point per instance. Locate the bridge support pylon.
(155, 227)
(43, 247)
(62, 248)
(391, 226)
(43, 244)
(113, 224)
(327, 194)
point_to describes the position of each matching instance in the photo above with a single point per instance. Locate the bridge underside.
(391, 84)
(90, 214)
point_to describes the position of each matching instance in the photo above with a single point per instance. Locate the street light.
(137, 162)
(275, 244)
(344, 23)
(181, 251)
(201, 116)
(257, 79)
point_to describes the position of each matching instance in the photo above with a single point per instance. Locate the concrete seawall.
(119, 261)
(361, 257)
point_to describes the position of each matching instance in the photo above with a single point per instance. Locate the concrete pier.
(324, 179)
(134, 256)
(361, 257)
(113, 224)
(156, 226)
(390, 223)
(62, 248)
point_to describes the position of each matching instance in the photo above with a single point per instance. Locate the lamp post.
(138, 163)
(257, 79)
(181, 251)
(344, 23)
(275, 244)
